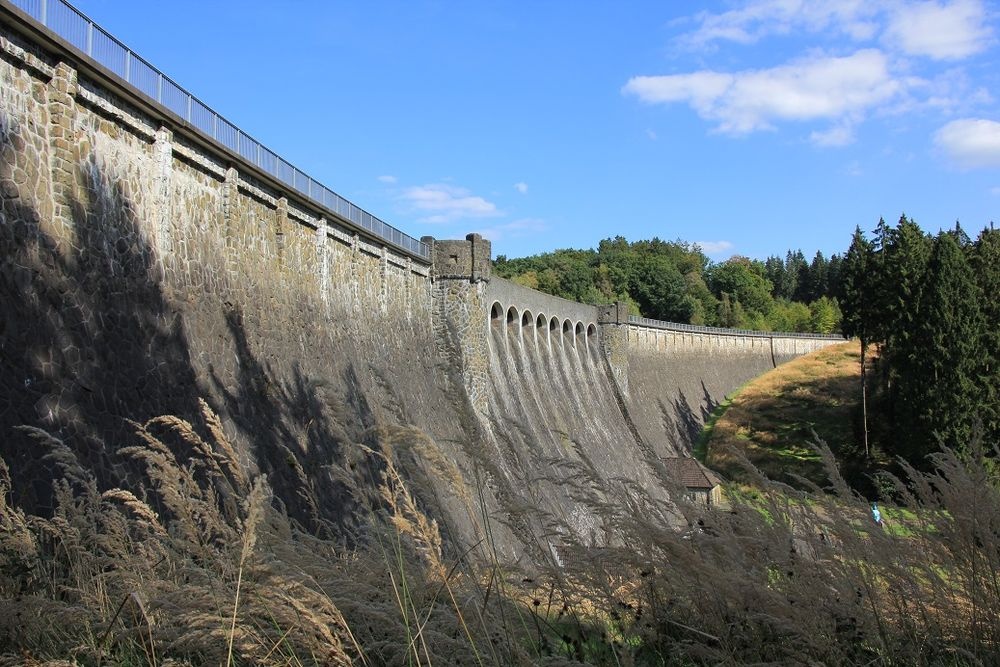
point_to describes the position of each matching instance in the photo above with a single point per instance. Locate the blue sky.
(748, 127)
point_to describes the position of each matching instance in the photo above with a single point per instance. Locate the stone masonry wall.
(146, 271)
(676, 378)
(142, 272)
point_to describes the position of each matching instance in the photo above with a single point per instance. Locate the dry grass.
(196, 566)
(773, 420)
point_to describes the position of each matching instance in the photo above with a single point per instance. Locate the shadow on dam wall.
(96, 336)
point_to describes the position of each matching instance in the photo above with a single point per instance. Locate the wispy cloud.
(389, 180)
(839, 135)
(892, 70)
(941, 31)
(521, 187)
(715, 248)
(446, 203)
(815, 88)
(970, 142)
(757, 19)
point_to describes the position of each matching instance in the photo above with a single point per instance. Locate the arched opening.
(592, 339)
(541, 331)
(554, 336)
(513, 330)
(567, 331)
(496, 316)
(527, 331)
(578, 336)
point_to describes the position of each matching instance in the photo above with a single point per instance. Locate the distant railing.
(73, 26)
(675, 326)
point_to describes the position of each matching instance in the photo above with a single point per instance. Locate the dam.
(154, 257)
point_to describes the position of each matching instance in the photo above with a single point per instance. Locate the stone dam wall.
(146, 270)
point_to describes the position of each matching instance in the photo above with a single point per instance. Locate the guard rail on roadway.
(79, 31)
(717, 331)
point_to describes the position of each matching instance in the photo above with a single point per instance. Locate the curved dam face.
(674, 376)
(146, 270)
(555, 416)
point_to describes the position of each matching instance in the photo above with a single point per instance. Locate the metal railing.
(75, 28)
(676, 326)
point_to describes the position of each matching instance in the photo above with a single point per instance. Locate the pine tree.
(938, 393)
(985, 263)
(901, 277)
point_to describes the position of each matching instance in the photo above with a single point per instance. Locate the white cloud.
(854, 169)
(521, 187)
(995, 191)
(816, 88)
(652, 135)
(971, 142)
(514, 229)
(942, 31)
(445, 203)
(714, 248)
(761, 18)
(839, 135)
(390, 180)
(938, 29)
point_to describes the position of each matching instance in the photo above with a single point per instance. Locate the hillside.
(772, 420)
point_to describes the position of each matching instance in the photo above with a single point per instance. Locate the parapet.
(613, 313)
(469, 259)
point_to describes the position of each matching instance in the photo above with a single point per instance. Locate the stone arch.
(567, 332)
(554, 336)
(513, 320)
(579, 336)
(592, 338)
(496, 317)
(527, 331)
(541, 330)
(512, 315)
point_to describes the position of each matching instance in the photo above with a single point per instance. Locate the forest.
(925, 307)
(928, 308)
(675, 281)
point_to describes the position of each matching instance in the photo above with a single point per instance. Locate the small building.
(702, 486)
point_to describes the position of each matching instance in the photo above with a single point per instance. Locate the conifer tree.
(901, 271)
(985, 263)
(938, 396)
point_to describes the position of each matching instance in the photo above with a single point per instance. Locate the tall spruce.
(938, 392)
(985, 262)
(904, 261)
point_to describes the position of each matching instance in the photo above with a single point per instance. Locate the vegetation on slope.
(771, 421)
(192, 563)
(675, 281)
